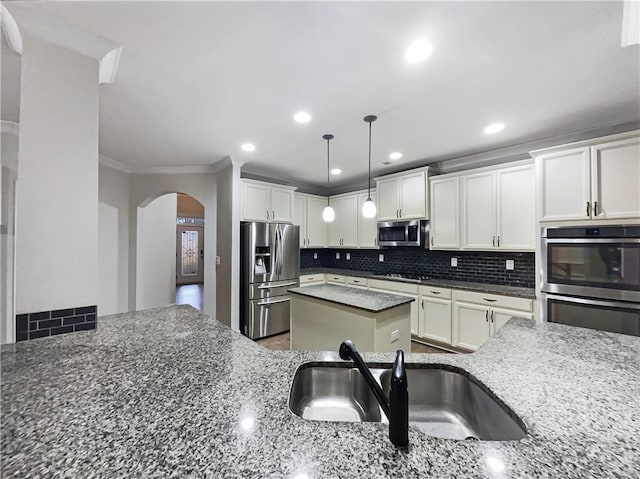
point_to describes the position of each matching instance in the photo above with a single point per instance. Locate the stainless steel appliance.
(269, 266)
(591, 277)
(403, 233)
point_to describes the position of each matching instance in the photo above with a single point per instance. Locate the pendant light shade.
(328, 214)
(369, 207)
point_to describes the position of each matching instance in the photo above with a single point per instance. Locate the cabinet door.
(349, 221)
(367, 227)
(565, 185)
(415, 310)
(470, 326)
(299, 217)
(479, 210)
(334, 229)
(413, 196)
(445, 213)
(516, 212)
(387, 191)
(255, 202)
(436, 319)
(281, 205)
(616, 181)
(316, 227)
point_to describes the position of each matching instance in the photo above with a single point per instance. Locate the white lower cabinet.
(478, 316)
(435, 314)
(311, 279)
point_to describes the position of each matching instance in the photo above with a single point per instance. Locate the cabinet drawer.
(335, 278)
(312, 278)
(495, 301)
(393, 286)
(356, 281)
(435, 292)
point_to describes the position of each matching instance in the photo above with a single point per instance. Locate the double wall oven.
(591, 277)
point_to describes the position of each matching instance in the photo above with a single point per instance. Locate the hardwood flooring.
(280, 342)
(190, 294)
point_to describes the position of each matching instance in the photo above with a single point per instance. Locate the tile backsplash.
(482, 267)
(58, 321)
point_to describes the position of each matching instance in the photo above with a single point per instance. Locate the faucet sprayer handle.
(399, 373)
(399, 403)
(347, 348)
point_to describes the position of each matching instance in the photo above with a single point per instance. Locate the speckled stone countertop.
(506, 290)
(354, 297)
(173, 393)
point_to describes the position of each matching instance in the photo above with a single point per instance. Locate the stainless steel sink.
(449, 404)
(336, 392)
(444, 401)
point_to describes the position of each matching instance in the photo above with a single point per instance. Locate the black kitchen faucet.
(396, 406)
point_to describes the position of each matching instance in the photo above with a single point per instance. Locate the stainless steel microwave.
(403, 233)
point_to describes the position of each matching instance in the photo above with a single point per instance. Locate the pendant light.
(328, 214)
(369, 207)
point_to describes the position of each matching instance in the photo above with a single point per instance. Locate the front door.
(189, 254)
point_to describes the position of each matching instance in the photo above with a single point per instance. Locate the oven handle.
(594, 302)
(591, 240)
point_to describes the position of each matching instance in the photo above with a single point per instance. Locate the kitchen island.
(171, 392)
(324, 315)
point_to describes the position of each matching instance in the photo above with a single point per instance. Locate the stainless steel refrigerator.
(269, 266)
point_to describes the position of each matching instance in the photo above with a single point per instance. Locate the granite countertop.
(354, 297)
(529, 293)
(171, 392)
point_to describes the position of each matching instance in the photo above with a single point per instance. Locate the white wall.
(228, 272)
(143, 189)
(156, 259)
(113, 241)
(57, 188)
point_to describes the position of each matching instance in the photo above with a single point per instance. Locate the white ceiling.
(198, 79)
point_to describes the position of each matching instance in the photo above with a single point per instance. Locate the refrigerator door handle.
(267, 303)
(269, 286)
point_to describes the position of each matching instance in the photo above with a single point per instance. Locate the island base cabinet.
(318, 325)
(435, 321)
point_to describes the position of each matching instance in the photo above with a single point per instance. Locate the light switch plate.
(454, 262)
(510, 264)
(395, 335)
(381, 258)
(348, 256)
(315, 255)
(337, 255)
(217, 259)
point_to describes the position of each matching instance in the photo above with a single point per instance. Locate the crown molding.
(108, 66)
(10, 30)
(114, 164)
(173, 170)
(10, 127)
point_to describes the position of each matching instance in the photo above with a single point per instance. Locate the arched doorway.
(170, 252)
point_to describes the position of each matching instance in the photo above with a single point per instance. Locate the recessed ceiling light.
(418, 51)
(248, 147)
(396, 155)
(302, 117)
(336, 171)
(494, 128)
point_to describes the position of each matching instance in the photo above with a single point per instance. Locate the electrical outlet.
(218, 260)
(348, 256)
(337, 255)
(381, 258)
(454, 262)
(395, 335)
(510, 265)
(315, 255)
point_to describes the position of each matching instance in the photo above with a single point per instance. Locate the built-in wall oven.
(591, 277)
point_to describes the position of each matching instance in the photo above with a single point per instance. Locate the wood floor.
(190, 294)
(280, 342)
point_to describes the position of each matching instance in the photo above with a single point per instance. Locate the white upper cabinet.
(367, 227)
(498, 209)
(266, 202)
(594, 180)
(479, 210)
(445, 213)
(307, 213)
(402, 195)
(615, 186)
(343, 230)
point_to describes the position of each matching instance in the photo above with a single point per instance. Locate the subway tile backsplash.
(58, 321)
(481, 267)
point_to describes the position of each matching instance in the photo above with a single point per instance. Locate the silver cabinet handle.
(267, 214)
(375, 241)
(436, 292)
(273, 214)
(595, 208)
(494, 241)
(400, 212)
(492, 316)
(356, 281)
(269, 286)
(587, 208)
(423, 304)
(432, 241)
(498, 241)
(486, 316)
(490, 300)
